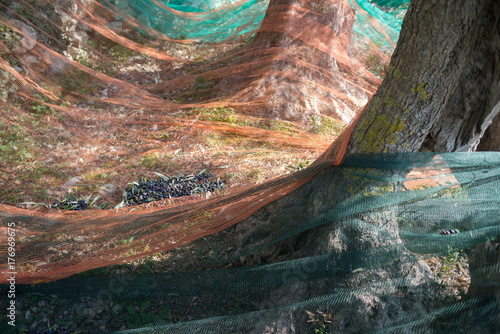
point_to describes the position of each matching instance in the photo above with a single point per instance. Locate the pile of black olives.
(70, 203)
(164, 187)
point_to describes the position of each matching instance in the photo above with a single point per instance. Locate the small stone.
(82, 37)
(115, 26)
(28, 40)
(117, 308)
(52, 250)
(68, 23)
(73, 181)
(58, 66)
(89, 313)
(144, 18)
(27, 315)
(107, 190)
(85, 27)
(66, 134)
(30, 60)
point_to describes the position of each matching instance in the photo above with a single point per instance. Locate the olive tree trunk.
(491, 139)
(442, 87)
(301, 63)
(441, 93)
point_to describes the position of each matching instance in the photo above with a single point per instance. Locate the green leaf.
(162, 176)
(95, 199)
(145, 305)
(105, 206)
(35, 204)
(148, 317)
(87, 200)
(121, 242)
(165, 314)
(131, 309)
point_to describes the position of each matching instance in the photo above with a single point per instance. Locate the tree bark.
(423, 89)
(491, 139)
(442, 89)
(302, 62)
(443, 81)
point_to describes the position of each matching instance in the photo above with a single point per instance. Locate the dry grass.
(105, 143)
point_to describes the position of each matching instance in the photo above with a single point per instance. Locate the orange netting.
(302, 64)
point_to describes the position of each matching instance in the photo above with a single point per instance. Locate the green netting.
(213, 21)
(210, 21)
(383, 260)
(398, 7)
(380, 21)
(389, 212)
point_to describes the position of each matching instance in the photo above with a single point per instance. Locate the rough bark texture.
(442, 85)
(491, 139)
(301, 63)
(484, 278)
(425, 78)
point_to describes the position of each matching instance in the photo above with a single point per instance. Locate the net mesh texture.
(256, 92)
